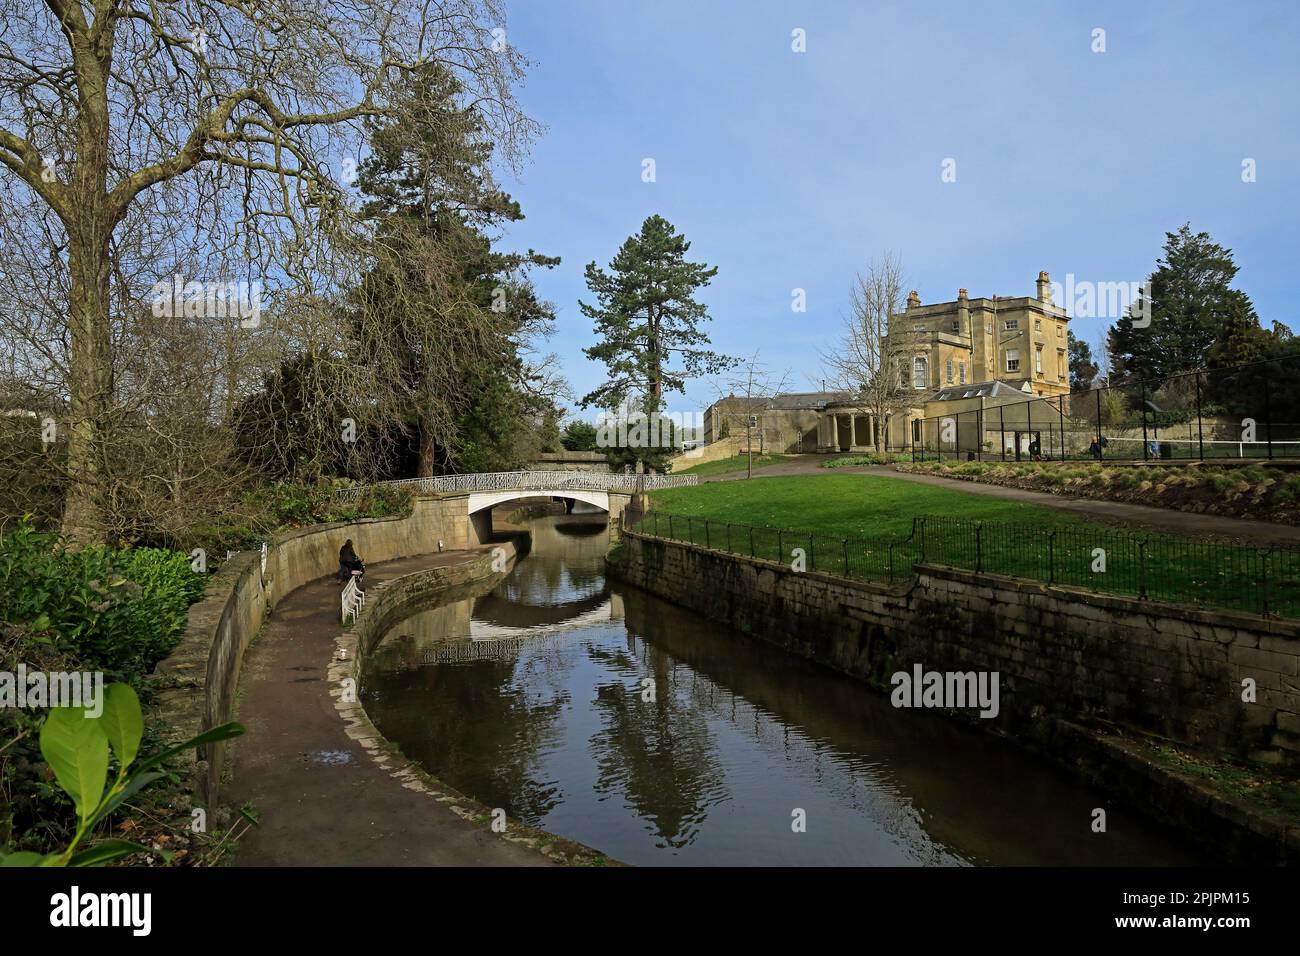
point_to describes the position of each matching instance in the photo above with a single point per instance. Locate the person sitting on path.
(349, 562)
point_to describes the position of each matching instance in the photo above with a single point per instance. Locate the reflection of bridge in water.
(537, 600)
(454, 632)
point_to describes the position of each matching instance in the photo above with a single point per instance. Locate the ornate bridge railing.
(529, 480)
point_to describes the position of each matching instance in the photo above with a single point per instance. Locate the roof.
(995, 389)
(786, 401)
(805, 399)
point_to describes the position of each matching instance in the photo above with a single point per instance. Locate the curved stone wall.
(197, 682)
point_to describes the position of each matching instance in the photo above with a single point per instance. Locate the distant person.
(1035, 450)
(1094, 450)
(349, 562)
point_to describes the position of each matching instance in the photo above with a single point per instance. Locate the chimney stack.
(1044, 287)
(913, 300)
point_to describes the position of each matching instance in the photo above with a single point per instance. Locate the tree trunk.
(428, 452)
(90, 385)
(90, 375)
(89, 221)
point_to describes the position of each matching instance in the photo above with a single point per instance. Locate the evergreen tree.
(1228, 386)
(1083, 370)
(646, 316)
(1191, 301)
(579, 436)
(447, 315)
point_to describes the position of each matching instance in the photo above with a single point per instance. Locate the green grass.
(863, 526)
(847, 505)
(726, 466)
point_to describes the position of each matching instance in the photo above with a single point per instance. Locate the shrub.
(118, 611)
(868, 459)
(267, 509)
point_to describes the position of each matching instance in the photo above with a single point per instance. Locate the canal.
(613, 718)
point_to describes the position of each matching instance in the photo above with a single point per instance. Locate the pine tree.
(647, 319)
(445, 313)
(1191, 301)
(1228, 385)
(1083, 370)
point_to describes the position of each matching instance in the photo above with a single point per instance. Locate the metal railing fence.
(1148, 566)
(525, 480)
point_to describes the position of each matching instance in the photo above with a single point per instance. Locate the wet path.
(323, 801)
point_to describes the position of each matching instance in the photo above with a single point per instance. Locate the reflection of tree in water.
(659, 755)
(483, 726)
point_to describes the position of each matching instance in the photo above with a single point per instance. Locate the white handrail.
(539, 480)
(353, 599)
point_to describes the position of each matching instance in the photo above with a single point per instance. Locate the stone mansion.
(956, 356)
(1021, 342)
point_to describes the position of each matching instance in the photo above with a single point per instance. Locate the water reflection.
(621, 721)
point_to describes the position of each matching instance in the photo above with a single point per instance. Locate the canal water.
(611, 717)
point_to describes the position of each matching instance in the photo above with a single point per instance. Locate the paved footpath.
(1115, 512)
(322, 799)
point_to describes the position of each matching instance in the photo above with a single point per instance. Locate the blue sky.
(791, 170)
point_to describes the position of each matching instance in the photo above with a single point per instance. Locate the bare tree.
(753, 386)
(250, 107)
(870, 358)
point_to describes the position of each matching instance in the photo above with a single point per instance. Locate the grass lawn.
(869, 506)
(736, 463)
(862, 525)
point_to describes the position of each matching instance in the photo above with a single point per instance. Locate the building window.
(1038, 325)
(1060, 364)
(961, 370)
(920, 372)
(1060, 330)
(1013, 360)
(949, 370)
(1038, 360)
(1010, 325)
(956, 326)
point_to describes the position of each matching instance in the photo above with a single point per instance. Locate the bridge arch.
(479, 500)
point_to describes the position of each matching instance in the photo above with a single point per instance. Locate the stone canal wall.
(1163, 669)
(1078, 672)
(197, 682)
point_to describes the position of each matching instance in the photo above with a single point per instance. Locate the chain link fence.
(1237, 412)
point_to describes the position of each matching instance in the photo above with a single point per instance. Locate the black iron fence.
(1207, 573)
(1236, 412)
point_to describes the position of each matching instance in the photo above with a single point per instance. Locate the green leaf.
(223, 732)
(77, 751)
(24, 858)
(102, 853)
(123, 722)
(138, 781)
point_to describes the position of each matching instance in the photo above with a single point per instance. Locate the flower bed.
(1253, 491)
